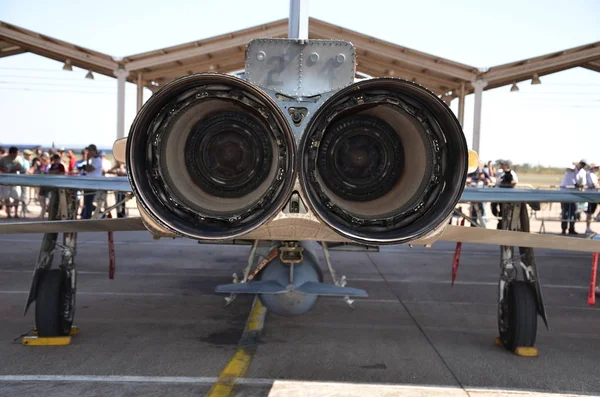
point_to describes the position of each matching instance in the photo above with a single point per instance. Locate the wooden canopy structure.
(225, 53)
(15, 40)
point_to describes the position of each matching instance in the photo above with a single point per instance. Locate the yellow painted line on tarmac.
(239, 364)
(256, 320)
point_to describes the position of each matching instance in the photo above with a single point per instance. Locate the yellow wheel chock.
(35, 340)
(521, 351)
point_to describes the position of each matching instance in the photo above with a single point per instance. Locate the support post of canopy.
(140, 91)
(121, 75)
(478, 85)
(298, 20)
(461, 104)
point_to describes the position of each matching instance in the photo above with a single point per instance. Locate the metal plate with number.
(300, 68)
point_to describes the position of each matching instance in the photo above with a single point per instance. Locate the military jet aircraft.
(297, 156)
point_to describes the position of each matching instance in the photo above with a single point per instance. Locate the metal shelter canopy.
(225, 53)
(586, 56)
(15, 40)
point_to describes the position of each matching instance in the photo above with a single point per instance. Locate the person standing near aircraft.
(106, 165)
(574, 178)
(508, 178)
(63, 158)
(119, 170)
(80, 171)
(56, 167)
(41, 167)
(92, 167)
(11, 164)
(80, 164)
(490, 172)
(505, 178)
(592, 185)
(26, 161)
(72, 161)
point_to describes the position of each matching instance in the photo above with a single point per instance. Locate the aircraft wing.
(503, 195)
(113, 184)
(477, 235)
(451, 233)
(470, 194)
(73, 226)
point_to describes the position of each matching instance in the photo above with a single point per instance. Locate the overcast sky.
(552, 124)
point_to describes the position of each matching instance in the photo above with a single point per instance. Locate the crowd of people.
(487, 175)
(90, 162)
(579, 175)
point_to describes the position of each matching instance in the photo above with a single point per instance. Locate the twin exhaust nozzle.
(214, 157)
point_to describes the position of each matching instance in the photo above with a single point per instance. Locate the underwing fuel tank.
(217, 157)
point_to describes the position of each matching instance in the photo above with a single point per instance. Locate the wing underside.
(451, 233)
(121, 184)
(500, 195)
(290, 228)
(73, 226)
(115, 184)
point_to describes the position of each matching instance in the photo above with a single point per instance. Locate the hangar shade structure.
(225, 54)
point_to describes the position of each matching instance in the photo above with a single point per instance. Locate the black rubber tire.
(51, 290)
(522, 316)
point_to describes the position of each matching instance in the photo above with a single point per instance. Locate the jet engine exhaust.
(383, 161)
(211, 157)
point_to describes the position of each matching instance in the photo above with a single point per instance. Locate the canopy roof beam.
(395, 52)
(388, 69)
(57, 50)
(234, 41)
(506, 74)
(225, 53)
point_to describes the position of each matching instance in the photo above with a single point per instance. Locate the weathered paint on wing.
(113, 184)
(497, 195)
(502, 195)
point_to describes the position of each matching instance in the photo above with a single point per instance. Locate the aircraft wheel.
(518, 316)
(54, 309)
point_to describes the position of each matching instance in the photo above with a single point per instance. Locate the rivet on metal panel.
(314, 57)
(261, 56)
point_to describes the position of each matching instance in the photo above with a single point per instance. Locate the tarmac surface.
(159, 329)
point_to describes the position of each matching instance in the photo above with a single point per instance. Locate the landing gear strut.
(520, 299)
(53, 290)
